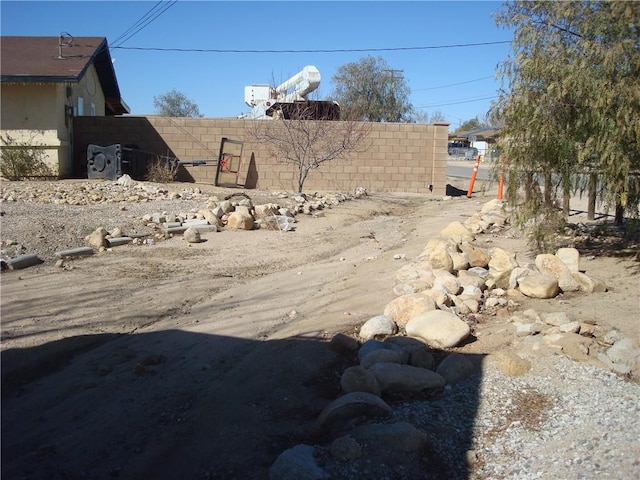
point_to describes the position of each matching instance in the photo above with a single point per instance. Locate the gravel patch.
(563, 420)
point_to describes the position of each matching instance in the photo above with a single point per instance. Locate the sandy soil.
(208, 360)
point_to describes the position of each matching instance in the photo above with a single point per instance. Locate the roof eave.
(38, 79)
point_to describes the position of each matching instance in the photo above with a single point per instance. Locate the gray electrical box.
(104, 162)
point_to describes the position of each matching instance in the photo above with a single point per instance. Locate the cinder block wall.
(400, 157)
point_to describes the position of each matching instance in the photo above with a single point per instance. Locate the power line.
(451, 84)
(471, 100)
(143, 22)
(344, 50)
(136, 24)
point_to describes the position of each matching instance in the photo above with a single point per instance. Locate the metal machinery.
(289, 99)
(113, 161)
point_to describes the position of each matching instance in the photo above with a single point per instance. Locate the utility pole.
(393, 73)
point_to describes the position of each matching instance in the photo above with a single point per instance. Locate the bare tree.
(306, 143)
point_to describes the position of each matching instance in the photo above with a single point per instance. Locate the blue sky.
(459, 82)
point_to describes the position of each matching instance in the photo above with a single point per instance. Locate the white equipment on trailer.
(284, 100)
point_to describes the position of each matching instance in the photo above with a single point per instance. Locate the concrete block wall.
(400, 157)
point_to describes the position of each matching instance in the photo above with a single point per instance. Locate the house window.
(80, 111)
(92, 110)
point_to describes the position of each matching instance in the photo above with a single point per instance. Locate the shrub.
(162, 170)
(20, 160)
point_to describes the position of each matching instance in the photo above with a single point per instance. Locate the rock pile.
(406, 351)
(236, 211)
(124, 190)
(242, 215)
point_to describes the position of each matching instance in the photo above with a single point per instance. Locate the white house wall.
(36, 114)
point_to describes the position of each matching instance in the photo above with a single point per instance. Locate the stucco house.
(45, 82)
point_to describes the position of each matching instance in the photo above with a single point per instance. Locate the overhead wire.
(470, 100)
(143, 22)
(136, 24)
(341, 50)
(451, 84)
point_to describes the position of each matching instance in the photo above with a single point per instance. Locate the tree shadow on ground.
(604, 238)
(177, 404)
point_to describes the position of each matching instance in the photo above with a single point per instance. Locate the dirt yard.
(207, 360)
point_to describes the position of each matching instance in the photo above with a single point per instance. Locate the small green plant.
(162, 170)
(20, 160)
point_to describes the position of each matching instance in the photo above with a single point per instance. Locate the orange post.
(501, 179)
(473, 177)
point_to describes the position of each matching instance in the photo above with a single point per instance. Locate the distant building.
(46, 82)
(482, 141)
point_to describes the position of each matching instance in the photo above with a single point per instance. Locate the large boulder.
(399, 437)
(555, 267)
(455, 367)
(570, 257)
(359, 379)
(538, 285)
(344, 411)
(297, 463)
(437, 254)
(438, 328)
(192, 235)
(378, 325)
(502, 261)
(477, 256)
(457, 232)
(240, 220)
(402, 309)
(588, 284)
(397, 378)
(266, 210)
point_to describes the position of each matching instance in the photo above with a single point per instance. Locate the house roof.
(481, 134)
(61, 59)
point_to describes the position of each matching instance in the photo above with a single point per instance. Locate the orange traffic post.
(474, 174)
(501, 179)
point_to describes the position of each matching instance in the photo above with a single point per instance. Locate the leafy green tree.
(175, 104)
(369, 90)
(471, 124)
(572, 102)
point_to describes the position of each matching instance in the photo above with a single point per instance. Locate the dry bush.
(20, 160)
(162, 170)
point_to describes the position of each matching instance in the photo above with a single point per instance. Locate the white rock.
(588, 284)
(538, 285)
(192, 235)
(555, 318)
(240, 220)
(457, 232)
(570, 257)
(402, 308)
(378, 325)
(438, 328)
(552, 265)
